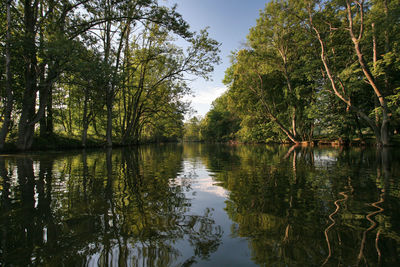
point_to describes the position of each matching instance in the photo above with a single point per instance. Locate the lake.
(201, 205)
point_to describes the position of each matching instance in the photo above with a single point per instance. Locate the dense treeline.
(312, 69)
(107, 69)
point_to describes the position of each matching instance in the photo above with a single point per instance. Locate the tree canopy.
(316, 69)
(107, 69)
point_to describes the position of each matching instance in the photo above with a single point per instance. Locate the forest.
(100, 71)
(148, 185)
(114, 72)
(310, 71)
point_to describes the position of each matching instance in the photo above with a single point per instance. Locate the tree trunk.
(9, 94)
(85, 121)
(130, 125)
(112, 87)
(95, 126)
(311, 134)
(25, 129)
(289, 85)
(42, 68)
(384, 131)
(29, 117)
(84, 134)
(384, 140)
(342, 97)
(294, 122)
(25, 132)
(109, 92)
(43, 127)
(360, 134)
(46, 122)
(286, 131)
(49, 109)
(134, 110)
(270, 115)
(69, 112)
(109, 120)
(43, 121)
(374, 58)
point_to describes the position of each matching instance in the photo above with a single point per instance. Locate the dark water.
(201, 205)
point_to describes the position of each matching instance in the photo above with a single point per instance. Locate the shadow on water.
(295, 206)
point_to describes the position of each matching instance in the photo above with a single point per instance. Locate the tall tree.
(274, 72)
(351, 21)
(156, 77)
(9, 93)
(305, 59)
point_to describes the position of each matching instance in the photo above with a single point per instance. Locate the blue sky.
(229, 22)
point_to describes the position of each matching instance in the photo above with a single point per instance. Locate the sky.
(229, 22)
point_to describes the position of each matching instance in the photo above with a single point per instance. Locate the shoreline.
(61, 143)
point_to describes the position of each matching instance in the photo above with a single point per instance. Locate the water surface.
(201, 205)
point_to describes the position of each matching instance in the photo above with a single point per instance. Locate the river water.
(201, 205)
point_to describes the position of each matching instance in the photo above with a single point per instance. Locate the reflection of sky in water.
(200, 179)
(153, 215)
(325, 158)
(206, 194)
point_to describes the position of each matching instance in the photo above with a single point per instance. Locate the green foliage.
(220, 124)
(281, 89)
(101, 69)
(193, 130)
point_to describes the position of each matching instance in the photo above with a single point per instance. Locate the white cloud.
(208, 96)
(202, 99)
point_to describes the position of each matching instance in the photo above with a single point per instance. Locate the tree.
(281, 80)
(272, 70)
(352, 21)
(9, 93)
(220, 124)
(90, 50)
(156, 77)
(193, 130)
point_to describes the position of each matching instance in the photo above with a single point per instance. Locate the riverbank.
(54, 142)
(60, 142)
(369, 141)
(319, 142)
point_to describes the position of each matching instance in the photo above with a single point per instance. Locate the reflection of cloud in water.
(324, 159)
(196, 175)
(208, 185)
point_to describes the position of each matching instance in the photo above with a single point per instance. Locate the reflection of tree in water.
(297, 209)
(108, 209)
